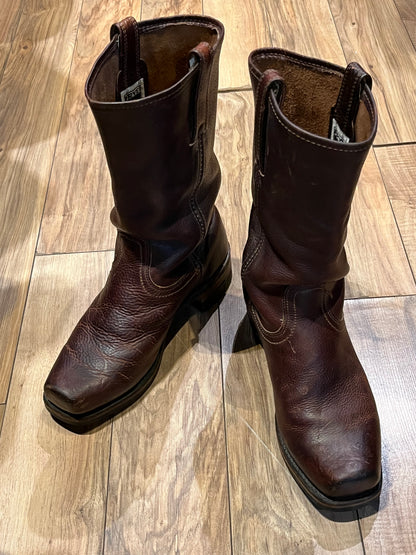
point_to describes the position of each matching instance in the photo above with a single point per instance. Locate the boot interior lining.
(309, 94)
(166, 53)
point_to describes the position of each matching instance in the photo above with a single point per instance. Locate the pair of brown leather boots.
(153, 93)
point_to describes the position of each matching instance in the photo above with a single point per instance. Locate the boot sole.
(249, 338)
(203, 302)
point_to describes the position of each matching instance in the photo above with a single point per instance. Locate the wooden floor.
(194, 467)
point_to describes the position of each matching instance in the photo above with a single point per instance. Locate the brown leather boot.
(153, 93)
(315, 123)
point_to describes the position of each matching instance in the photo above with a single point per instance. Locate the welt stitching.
(313, 142)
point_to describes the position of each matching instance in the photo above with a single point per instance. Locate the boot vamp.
(118, 339)
(325, 411)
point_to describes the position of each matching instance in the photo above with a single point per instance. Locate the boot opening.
(311, 92)
(164, 51)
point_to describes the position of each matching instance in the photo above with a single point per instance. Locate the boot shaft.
(315, 123)
(153, 93)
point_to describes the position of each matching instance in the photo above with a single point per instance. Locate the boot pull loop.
(270, 81)
(344, 113)
(132, 76)
(201, 56)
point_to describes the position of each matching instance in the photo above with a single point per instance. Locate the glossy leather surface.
(293, 272)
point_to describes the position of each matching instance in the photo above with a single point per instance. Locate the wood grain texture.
(52, 482)
(168, 477)
(383, 332)
(246, 28)
(374, 246)
(269, 514)
(398, 167)
(377, 39)
(9, 19)
(309, 31)
(407, 11)
(76, 216)
(31, 98)
(162, 8)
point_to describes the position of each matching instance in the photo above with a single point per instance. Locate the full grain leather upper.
(294, 266)
(165, 178)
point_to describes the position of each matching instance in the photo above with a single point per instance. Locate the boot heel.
(246, 336)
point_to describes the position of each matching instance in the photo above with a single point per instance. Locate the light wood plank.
(383, 332)
(309, 31)
(31, 96)
(163, 8)
(269, 514)
(407, 11)
(378, 40)
(79, 200)
(168, 474)
(246, 28)
(9, 19)
(52, 482)
(374, 246)
(398, 167)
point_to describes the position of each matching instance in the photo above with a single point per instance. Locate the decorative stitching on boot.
(336, 323)
(287, 318)
(197, 212)
(164, 290)
(248, 262)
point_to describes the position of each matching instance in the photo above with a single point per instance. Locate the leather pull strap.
(132, 75)
(270, 80)
(344, 113)
(201, 56)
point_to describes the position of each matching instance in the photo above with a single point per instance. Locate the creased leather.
(293, 271)
(170, 241)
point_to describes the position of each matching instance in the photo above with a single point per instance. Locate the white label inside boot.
(337, 134)
(134, 91)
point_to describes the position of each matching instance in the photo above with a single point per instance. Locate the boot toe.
(73, 387)
(353, 480)
(65, 398)
(336, 473)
